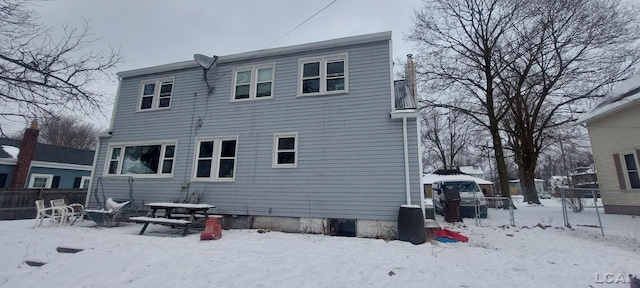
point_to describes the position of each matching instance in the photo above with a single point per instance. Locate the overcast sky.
(156, 32)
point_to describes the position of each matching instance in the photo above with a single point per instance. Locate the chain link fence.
(576, 209)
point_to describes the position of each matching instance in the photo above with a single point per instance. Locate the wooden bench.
(162, 221)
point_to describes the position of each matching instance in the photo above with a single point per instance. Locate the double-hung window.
(285, 150)
(323, 75)
(40, 181)
(630, 163)
(155, 94)
(254, 82)
(150, 160)
(215, 158)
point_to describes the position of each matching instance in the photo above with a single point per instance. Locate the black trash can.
(411, 224)
(452, 204)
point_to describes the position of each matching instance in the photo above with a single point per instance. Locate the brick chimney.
(27, 148)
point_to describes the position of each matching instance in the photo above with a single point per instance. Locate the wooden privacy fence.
(20, 203)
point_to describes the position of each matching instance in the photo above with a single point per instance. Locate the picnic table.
(188, 210)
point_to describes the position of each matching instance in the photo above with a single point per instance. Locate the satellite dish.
(205, 61)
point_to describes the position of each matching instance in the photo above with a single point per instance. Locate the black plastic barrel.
(411, 224)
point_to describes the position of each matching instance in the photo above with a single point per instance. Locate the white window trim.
(624, 168)
(253, 84)
(323, 75)
(164, 144)
(82, 180)
(49, 178)
(215, 159)
(274, 163)
(156, 95)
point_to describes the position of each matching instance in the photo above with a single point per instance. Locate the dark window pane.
(335, 84)
(164, 102)
(287, 143)
(168, 152)
(631, 162)
(228, 148)
(141, 160)
(242, 91)
(206, 149)
(165, 89)
(113, 167)
(335, 69)
(226, 168)
(311, 86)
(286, 157)
(264, 89)
(311, 69)
(115, 154)
(149, 89)
(634, 179)
(146, 102)
(166, 166)
(204, 169)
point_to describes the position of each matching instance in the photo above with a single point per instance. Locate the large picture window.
(155, 94)
(215, 158)
(630, 163)
(254, 82)
(285, 150)
(149, 160)
(323, 75)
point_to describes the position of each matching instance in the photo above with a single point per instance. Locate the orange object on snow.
(212, 230)
(445, 233)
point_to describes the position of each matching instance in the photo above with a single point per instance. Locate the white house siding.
(350, 153)
(609, 136)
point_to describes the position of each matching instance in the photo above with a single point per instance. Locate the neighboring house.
(514, 186)
(291, 136)
(453, 174)
(584, 177)
(472, 170)
(28, 164)
(614, 131)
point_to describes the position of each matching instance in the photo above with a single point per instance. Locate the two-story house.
(290, 138)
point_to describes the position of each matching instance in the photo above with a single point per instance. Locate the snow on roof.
(471, 170)
(625, 93)
(430, 178)
(11, 150)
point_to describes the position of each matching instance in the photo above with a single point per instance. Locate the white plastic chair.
(72, 211)
(56, 214)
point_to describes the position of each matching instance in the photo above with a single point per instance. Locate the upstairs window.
(216, 159)
(285, 150)
(255, 82)
(323, 75)
(143, 160)
(155, 94)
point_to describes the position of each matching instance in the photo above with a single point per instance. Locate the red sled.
(451, 235)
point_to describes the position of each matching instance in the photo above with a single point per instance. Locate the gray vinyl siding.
(350, 152)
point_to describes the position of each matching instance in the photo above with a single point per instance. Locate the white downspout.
(406, 160)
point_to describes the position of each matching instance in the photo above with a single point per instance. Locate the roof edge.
(351, 40)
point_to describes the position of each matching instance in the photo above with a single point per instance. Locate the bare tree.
(446, 136)
(460, 61)
(41, 75)
(524, 67)
(566, 54)
(68, 131)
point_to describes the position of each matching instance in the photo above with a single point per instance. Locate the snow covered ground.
(494, 257)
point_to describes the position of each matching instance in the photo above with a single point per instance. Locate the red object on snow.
(451, 235)
(212, 230)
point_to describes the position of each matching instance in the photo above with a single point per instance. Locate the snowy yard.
(494, 257)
